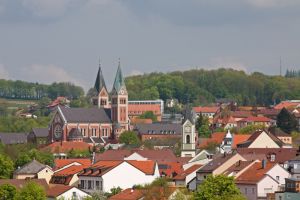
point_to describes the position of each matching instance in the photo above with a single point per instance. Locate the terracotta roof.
(74, 169)
(135, 120)
(148, 166)
(255, 119)
(64, 147)
(239, 138)
(128, 194)
(254, 173)
(286, 104)
(102, 167)
(240, 114)
(269, 112)
(206, 109)
(137, 109)
(55, 190)
(281, 154)
(216, 137)
(59, 163)
(187, 172)
(156, 155)
(169, 169)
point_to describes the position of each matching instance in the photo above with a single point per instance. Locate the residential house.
(262, 139)
(293, 166)
(272, 155)
(260, 179)
(67, 175)
(239, 167)
(185, 179)
(159, 131)
(38, 136)
(105, 175)
(218, 165)
(292, 190)
(284, 137)
(206, 111)
(252, 120)
(53, 191)
(33, 170)
(13, 138)
(287, 104)
(64, 163)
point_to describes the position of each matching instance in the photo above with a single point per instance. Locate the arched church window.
(188, 139)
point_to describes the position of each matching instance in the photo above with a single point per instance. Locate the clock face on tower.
(57, 131)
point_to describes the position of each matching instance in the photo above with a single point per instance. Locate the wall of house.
(192, 185)
(278, 172)
(248, 190)
(266, 185)
(24, 176)
(93, 180)
(68, 195)
(135, 156)
(286, 140)
(46, 174)
(125, 176)
(263, 141)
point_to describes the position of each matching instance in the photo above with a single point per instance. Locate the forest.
(201, 87)
(34, 91)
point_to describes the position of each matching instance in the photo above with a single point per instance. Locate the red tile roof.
(128, 194)
(187, 172)
(156, 155)
(148, 166)
(286, 104)
(59, 163)
(239, 138)
(205, 109)
(74, 169)
(254, 173)
(64, 147)
(169, 169)
(55, 190)
(255, 119)
(241, 114)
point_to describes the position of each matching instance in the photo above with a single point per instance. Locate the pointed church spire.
(99, 83)
(119, 79)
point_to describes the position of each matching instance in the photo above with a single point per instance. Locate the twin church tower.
(119, 99)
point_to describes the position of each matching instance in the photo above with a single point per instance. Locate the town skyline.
(47, 41)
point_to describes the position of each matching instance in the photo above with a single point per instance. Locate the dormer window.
(273, 157)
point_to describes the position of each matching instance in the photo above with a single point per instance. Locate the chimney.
(263, 164)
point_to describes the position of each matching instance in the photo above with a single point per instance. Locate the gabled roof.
(100, 83)
(128, 194)
(286, 104)
(169, 169)
(156, 155)
(119, 80)
(256, 134)
(64, 147)
(86, 115)
(206, 109)
(159, 129)
(237, 167)
(216, 163)
(59, 163)
(40, 132)
(281, 154)
(13, 138)
(32, 167)
(254, 174)
(55, 190)
(187, 172)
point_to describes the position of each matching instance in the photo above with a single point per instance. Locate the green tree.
(149, 115)
(115, 190)
(6, 167)
(286, 121)
(202, 125)
(22, 160)
(219, 187)
(251, 128)
(7, 192)
(31, 191)
(129, 138)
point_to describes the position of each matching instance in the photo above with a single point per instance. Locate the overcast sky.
(62, 40)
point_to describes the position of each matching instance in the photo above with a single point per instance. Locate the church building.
(98, 124)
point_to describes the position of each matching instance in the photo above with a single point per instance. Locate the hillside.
(205, 86)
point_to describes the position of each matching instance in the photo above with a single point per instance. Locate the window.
(97, 185)
(74, 196)
(188, 139)
(273, 156)
(89, 185)
(82, 184)
(277, 178)
(204, 176)
(83, 132)
(94, 132)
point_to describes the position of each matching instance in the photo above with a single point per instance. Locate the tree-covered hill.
(205, 86)
(24, 90)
